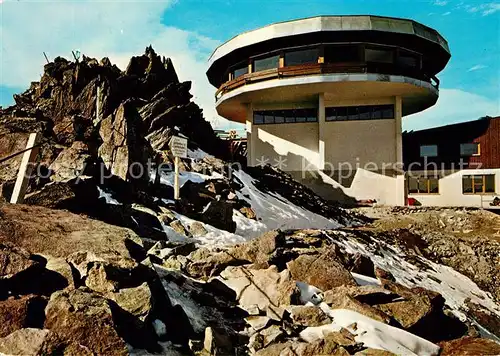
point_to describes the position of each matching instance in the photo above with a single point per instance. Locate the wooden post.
(25, 169)
(176, 179)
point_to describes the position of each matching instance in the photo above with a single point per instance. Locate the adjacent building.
(454, 165)
(323, 98)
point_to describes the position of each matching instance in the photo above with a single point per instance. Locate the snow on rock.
(276, 212)
(167, 178)
(452, 285)
(197, 154)
(371, 333)
(160, 327)
(108, 197)
(213, 238)
(365, 280)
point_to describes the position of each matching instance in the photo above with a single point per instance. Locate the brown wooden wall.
(485, 131)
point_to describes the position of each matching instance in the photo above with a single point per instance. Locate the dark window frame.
(285, 116)
(304, 49)
(353, 113)
(263, 58)
(477, 144)
(473, 179)
(427, 184)
(428, 145)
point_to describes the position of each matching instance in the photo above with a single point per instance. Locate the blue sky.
(189, 30)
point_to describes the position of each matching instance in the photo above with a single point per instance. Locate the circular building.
(326, 95)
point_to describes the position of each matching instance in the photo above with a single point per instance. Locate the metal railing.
(323, 68)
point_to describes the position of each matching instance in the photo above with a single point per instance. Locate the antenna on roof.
(46, 58)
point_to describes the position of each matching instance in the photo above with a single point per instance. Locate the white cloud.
(109, 28)
(453, 106)
(477, 67)
(440, 2)
(485, 9)
(447, 13)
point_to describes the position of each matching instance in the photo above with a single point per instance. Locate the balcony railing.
(323, 68)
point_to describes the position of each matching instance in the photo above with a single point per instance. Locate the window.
(478, 184)
(238, 72)
(285, 116)
(423, 185)
(366, 112)
(301, 57)
(266, 63)
(408, 60)
(428, 151)
(470, 149)
(341, 54)
(379, 55)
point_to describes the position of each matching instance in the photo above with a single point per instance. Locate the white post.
(176, 179)
(25, 169)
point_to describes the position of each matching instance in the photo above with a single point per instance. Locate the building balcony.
(322, 69)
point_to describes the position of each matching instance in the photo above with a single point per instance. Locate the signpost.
(178, 146)
(24, 173)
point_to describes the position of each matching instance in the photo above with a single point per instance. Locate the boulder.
(14, 261)
(484, 317)
(260, 249)
(413, 308)
(271, 334)
(59, 233)
(137, 301)
(309, 316)
(468, 346)
(72, 162)
(248, 213)
(361, 264)
(25, 312)
(178, 227)
(85, 318)
(263, 287)
(76, 195)
(323, 271)
(26, 342)
(62, 268)
(197, 229)
(217, 342)
(219, 214)
(257, 322)
(205, 264)
(124, 149)
(340, 298)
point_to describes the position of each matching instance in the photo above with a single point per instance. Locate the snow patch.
(167, 178)
(371, 333)
(452, 285)
(107, 196)
(365, 280)
(276, 212)
(197, 154)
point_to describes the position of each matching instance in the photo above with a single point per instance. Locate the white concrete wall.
(366, 185)
(450, 191)
(295, 144)
(359, 142)
(326, 145)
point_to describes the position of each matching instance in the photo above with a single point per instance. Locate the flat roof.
(329, 23)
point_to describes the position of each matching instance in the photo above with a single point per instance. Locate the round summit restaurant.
(323, 98)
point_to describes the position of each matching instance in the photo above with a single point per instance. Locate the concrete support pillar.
(399, 128)
(251, 136)
(321, 131)
(400, 177)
